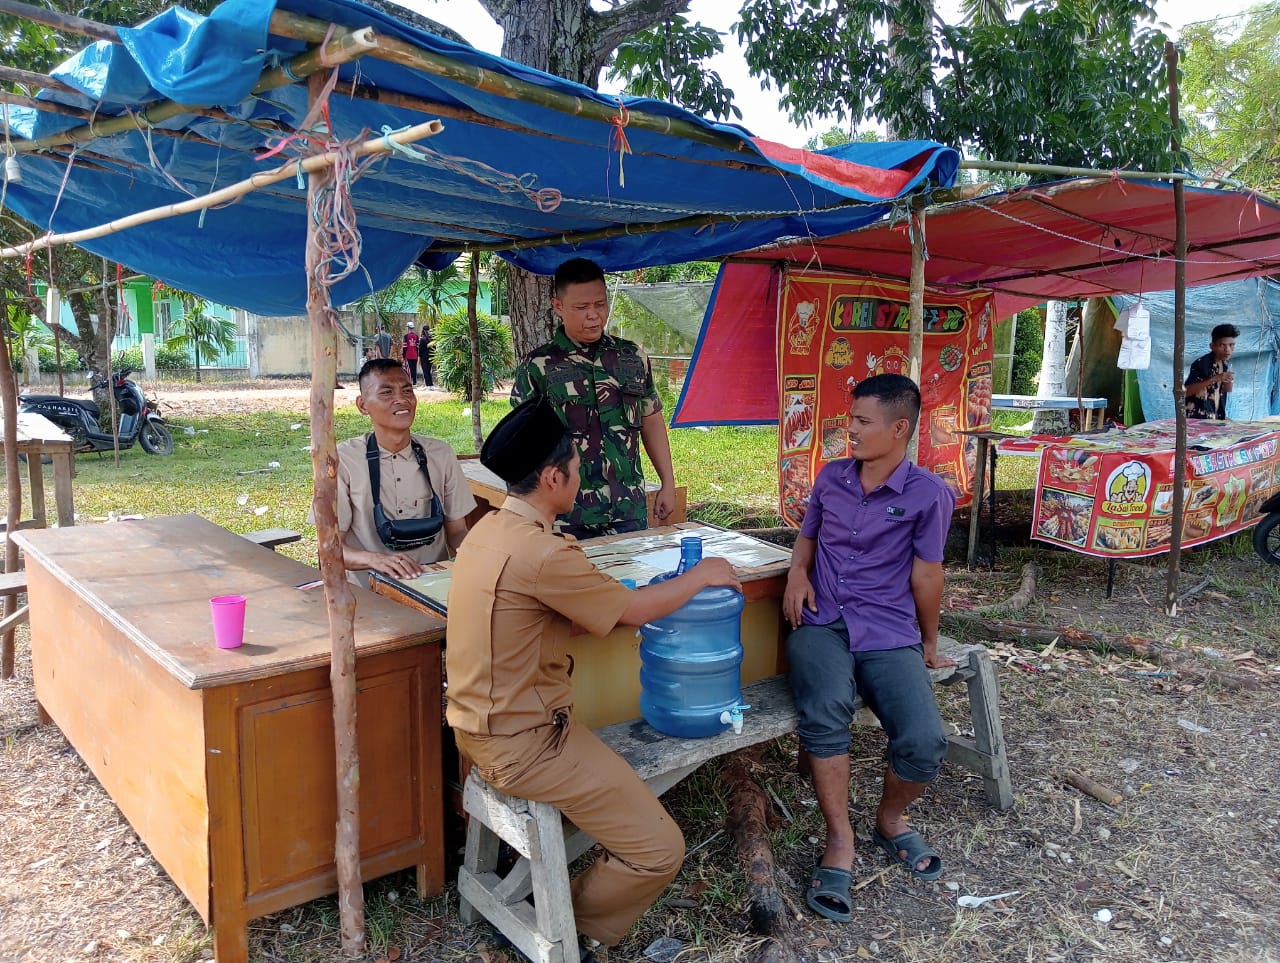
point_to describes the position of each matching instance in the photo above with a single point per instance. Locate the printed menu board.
(1111, 495)
(835, 331)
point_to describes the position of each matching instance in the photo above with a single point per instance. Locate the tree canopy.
(1231, 74)
(1071, 82)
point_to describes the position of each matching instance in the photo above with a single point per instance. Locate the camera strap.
(374, 458)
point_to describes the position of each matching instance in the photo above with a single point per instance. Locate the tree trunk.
(473, 332)
(569, 39)
(1096, 376)
(529, 299)
(1053, 370)
(748, 819)
(554, 37)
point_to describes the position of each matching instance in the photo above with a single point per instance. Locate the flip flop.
(828, 893)
(913, 844)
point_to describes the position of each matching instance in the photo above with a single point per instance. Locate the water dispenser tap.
(733, 717)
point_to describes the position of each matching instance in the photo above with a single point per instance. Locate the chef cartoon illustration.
(801, 329)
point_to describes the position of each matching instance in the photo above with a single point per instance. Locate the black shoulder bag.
(403, 534)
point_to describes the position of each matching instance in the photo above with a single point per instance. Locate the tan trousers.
(570, 768)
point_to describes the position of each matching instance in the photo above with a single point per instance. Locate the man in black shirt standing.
(1210, 379)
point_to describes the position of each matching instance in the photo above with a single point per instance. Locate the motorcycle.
(139, 417)
(1266, 535)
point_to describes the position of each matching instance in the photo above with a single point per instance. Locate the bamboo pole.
(344, 47)
(397, 51)
(1179, 344)
(13, 483)
(231, 192)
(49, 106)
(915, 308)
(339, 602)
(1017, 168)
(618, 230)
(65, 22)
(26, 78)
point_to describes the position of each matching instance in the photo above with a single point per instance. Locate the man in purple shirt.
(863, 596)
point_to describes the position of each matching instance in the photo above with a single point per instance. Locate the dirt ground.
(1185, 867)
(180, 400)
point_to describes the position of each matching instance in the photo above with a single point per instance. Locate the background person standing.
(1211, 379)
(409, 349)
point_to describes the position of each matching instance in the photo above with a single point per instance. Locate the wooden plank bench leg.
(985, 753)
(545, 932)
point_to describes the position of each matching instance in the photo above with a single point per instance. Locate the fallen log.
(1029, 634)
(748, 819)
(1020, 599)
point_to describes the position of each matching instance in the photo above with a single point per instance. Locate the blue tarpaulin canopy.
(710, 189)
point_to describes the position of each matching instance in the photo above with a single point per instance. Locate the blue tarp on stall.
(1253, 306)
(476, 184)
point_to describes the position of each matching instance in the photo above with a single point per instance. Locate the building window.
(164, 318)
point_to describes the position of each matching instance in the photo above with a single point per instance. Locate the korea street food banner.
(1111, 495)
(836, 331)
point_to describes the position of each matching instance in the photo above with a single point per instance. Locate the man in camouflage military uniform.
(602, 387)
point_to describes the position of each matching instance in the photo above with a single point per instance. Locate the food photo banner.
(1111, 495)
(835, 332)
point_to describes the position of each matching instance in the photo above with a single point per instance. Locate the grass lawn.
(263, 458)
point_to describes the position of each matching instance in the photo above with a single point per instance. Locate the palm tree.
(206, 335)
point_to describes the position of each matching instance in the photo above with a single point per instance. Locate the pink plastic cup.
(228, 620)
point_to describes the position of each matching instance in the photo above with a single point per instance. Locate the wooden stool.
(544, 932)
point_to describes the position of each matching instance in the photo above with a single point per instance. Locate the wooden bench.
(271, 537)
(12, 584)
(545, 931)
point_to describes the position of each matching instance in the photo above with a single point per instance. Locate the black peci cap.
(523, 440)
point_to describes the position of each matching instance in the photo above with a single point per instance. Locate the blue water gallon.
(691, 664)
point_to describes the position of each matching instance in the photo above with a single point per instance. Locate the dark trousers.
(413, 370)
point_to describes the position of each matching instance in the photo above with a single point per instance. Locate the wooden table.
(986, 437)
(606, 672)
(38, 437)
(1092, 415)
(491, 491)
(223, 761)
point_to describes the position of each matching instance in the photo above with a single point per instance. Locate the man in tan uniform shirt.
(388, 398)
(516, 590)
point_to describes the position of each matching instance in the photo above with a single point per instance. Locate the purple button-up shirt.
(867, 542)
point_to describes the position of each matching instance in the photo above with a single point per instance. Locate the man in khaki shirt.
(404, 490)
(516, 590)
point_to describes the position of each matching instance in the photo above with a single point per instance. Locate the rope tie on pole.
(618, 139)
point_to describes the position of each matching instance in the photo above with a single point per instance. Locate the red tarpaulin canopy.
(1072, 239)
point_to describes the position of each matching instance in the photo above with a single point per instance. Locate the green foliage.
(1075, 82)
(666, 62)
(24, 332)
(452, 343)
(1027, 351)
(686, 271)
(49, 359)
(172, 359)
(838, 137)
(1231, 72)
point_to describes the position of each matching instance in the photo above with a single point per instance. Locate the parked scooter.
(1266, 536)
(139, 417)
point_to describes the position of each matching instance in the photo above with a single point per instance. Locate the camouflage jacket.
(602, 392)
